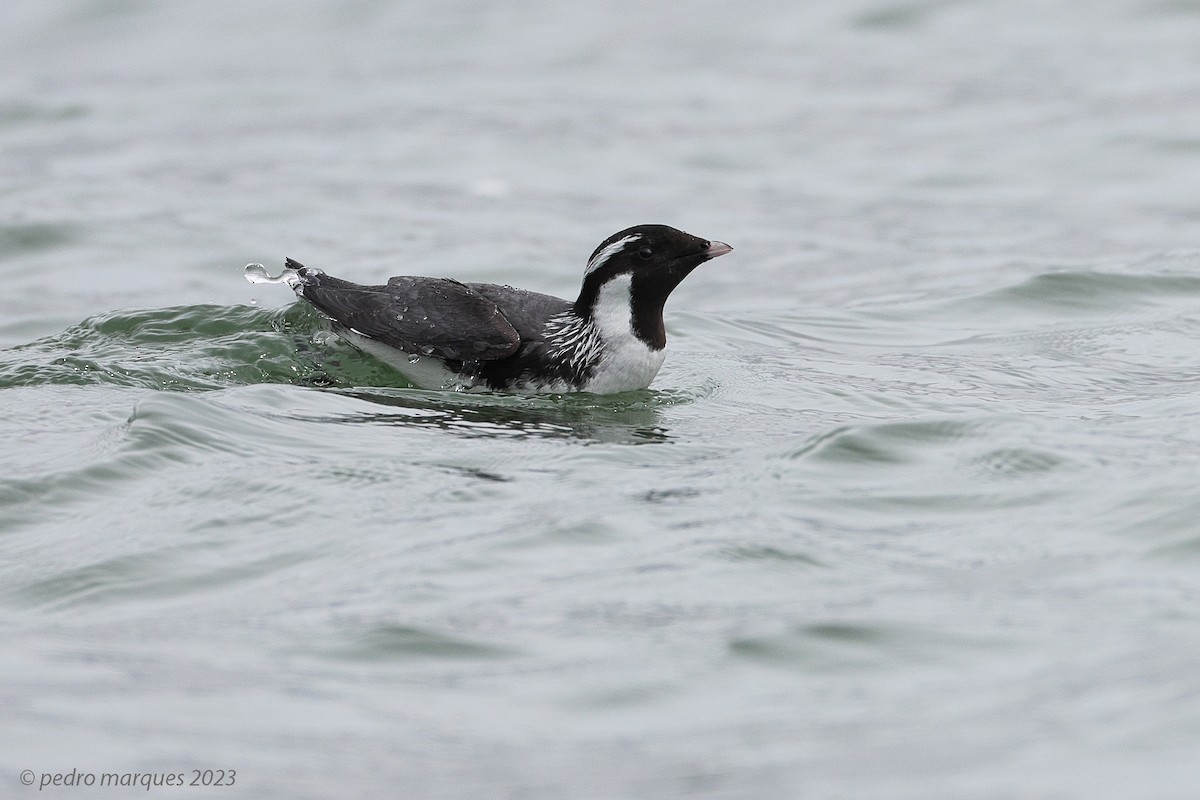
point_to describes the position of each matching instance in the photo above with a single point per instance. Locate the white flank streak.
(572, 340)
(607, 253)
(424, 373)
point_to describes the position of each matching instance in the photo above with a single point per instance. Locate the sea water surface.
(912, 511)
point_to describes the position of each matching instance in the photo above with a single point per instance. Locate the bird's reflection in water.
(632, 418)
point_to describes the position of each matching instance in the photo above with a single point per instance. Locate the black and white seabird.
(443, 334)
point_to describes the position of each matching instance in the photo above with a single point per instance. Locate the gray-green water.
(912, 511)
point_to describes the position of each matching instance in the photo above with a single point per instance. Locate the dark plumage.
(482, 335)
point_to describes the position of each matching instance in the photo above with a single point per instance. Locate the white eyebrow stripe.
(598, 260)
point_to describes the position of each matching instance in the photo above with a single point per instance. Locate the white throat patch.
(604, 255)
(612, 313)
(628, 363)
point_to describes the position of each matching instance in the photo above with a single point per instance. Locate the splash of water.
(257, 273)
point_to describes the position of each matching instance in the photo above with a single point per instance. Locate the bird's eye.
(645, 252)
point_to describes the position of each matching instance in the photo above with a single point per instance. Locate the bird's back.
(526, 311)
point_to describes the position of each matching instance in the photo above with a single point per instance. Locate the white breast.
(627, 362)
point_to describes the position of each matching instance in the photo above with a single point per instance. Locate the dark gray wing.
(526, 311)
(431, 316)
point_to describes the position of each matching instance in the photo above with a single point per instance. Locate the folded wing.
(425, 316)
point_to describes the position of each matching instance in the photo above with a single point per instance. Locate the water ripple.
(17, 240)
(841, 645)
(390, 642)
(155, 575)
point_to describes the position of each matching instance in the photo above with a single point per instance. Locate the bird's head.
(641, 266)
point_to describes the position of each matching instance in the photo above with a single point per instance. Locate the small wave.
(19, 239)
(1050, 304)
(388, 642)
(1088, 292)
(885, 443)
(841, 644)
(900, 15)
(158, 574)
(1020, 462)
(15, 113)
(185, 348)
(770, 554)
